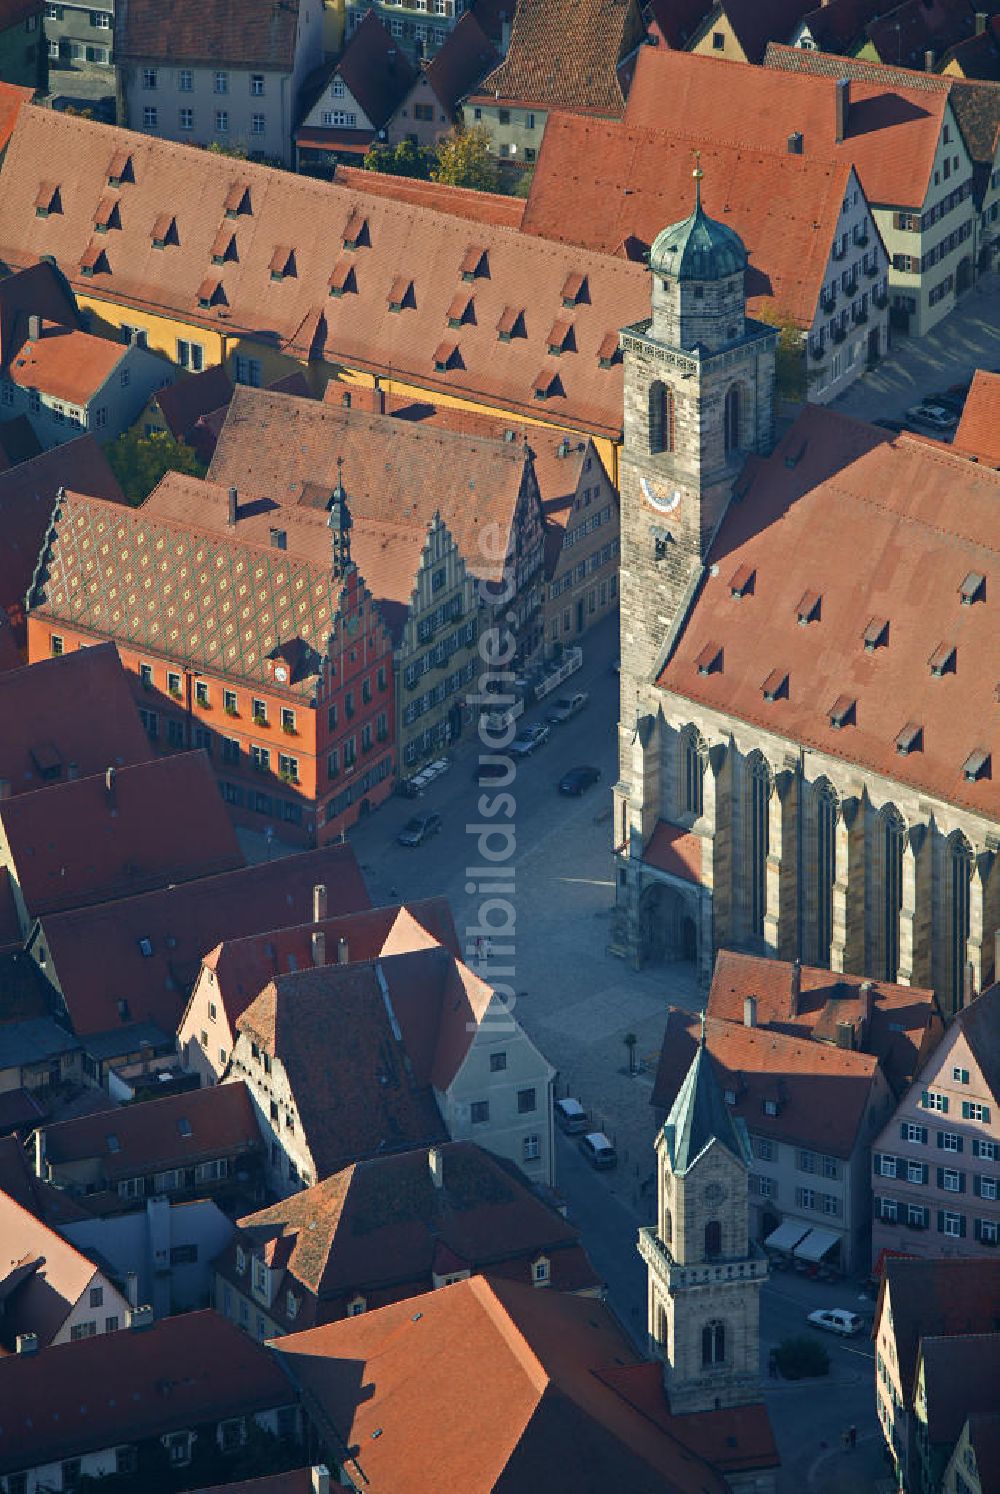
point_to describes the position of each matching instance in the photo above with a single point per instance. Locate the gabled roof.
(377, 1226)
(130, 1386)
(612, 187)
(458, 202)
(979, 1022)
(819, 1093)
(984, 1439)
(53, 1206)
(394, 472)
(935, 1298)
(977, 56)
(88, 841)
(241, 33)
(375, 70)
(756, 22)
(829, 476)
(892, 131)
(38, 291)
(71, 713)
(42, 1276)
(455, 69)
(13, 12)
(65, 364)
(184, 402)
(700, 1117)
(552, 1363)
(178, 1130)
(978, 431)
(960, 1376)
(109, 982)
(11, 99)
(565, 54)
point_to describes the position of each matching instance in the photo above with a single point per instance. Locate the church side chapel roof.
(700, 1116)
(896, 665)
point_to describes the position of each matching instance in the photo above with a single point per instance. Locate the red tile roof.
(53, 1206)
(978, 431)
(83, 842)
(132, 1385)
(960, 1376)
(935, 1299)
(242, 33)
(905, 1024)
(566, 54)
(892, 130)
(38, 291)
(298, 315)
(459, 65)
(677, 851)
(190, 397)
(557, 1419)
(821, 1092)
(27, 500)
(374, 69)
(180, 1130)
(612, 187)
(11, 99)
(42, 1276)
(99, 962)
(756, 22)
(295, 1481)
(820, 483)
(65, 364)
(74, 712)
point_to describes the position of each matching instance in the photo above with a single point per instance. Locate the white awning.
(786, 1236)
(816, 1244)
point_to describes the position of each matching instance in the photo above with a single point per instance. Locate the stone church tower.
(704, 1275)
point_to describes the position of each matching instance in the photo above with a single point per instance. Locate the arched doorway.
(668, 926)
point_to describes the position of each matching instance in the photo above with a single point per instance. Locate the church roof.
(699, 247)
(700, 1115)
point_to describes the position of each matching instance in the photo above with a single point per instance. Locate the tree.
(791, 376)
(630, 1042)
(404, 159)
(140, 461)
(464, 160)
(802, 1358)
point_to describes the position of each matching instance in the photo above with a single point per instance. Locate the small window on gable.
(120, 169)
(709, 659)
(475, 262)
(546, 384)
(743, 580)
(943, 660)
(574, 290)
(876, 635)
(976, 765)
(146, 948)
(164, 231)
(237, 200)
(462, 309)
(973, 589)
(184, 1126)
(843, 712)
(356, 232)
(560, 338)
(511, 324)
(224, 246)
(48, 200)
(910, 739)
(445, 356)
(94, 261)
(282, 264)
(775, 687)
(401, 293)
(107, 215)
(343, 281)
(608, 353)
(211, 293)
(808, 610)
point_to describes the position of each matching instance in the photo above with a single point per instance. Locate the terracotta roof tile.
(488, 208)
(460, 64)
(566, 54)
(65, 364)
(53, 1206)
(376, 72)
(237, 32)
(11, 99)
(978, 431)
(892, 130)
(891, 494)
(938, 1298)
(55, 1278)
(183, 402)
(677, 851)
(39, 291)
(295, 1481)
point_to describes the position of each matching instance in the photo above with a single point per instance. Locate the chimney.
(842, 105)
(796, 988)
(929, 60)
(343, 955)
(132, 1288)
(345, 399)
(319, 903)
(867, 1003)
(40, 1144)
(749, 1011)
(139, 1318)
(27, 1343)
(35, 322)
(981, 19)
(320, 1475)
(378, 397)
(318, 941)
(110, 789)
(279, 539)
(795, 143)
(234, 506)
(435, 1161)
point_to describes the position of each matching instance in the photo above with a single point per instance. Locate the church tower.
(699, 398)
(704, 1276)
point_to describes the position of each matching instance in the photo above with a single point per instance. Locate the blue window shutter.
(925, 1099)
(961, 1225)
(940, 1177)
(876, 1162)
(923, 1134)
(961, 1143)
(976, 1185)
(986, 1113)
(940, 1221)
(961, 1182)
(940, 1138)
(944, 1099)
(966, 1110)
(902, 1131)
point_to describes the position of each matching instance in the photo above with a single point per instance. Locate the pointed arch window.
(732, 419)
(827, 810)
(960, 879)
(693, 756)
(713, 1239)
(668, 1228)
(891, 841)
(661, 418)
(758, 838)
(713, 1344)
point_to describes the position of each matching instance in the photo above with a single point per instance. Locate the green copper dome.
(698, 248)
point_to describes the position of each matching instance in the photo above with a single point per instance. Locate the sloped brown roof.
(241, 33)
(676, 851)
(459, 202)
(936, 1298)
(980, 1024)
(978, 431)
(13, 12)
(756, 22)
(99, 961)
(74, 710)
(960, 1376)
(11, 99)
(52, 1278)
(466, 56)
(375, 71)
(892, 129)
(197, 394)
(565, 54)
(827, 476)
(978, 56)
(65, 364)
(53, 1206)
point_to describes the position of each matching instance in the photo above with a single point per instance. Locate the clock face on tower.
(663, 500)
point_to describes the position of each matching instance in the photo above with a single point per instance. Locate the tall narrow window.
(826, 866)
(960, 859)
(713, 1344)
(758, 844)
(693, 754)
(661, 418)
(891, 840)
(732, 420)
(713, 1239)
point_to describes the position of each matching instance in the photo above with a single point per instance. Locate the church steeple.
(340, 524)
(700, 1116)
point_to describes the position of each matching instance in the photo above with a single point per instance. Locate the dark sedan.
(578, 780)
(419, 829)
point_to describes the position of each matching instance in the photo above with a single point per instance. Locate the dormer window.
(474, 262)
(742, 581)
(107, 215)
(461, 310)
(356, 231)
(259, 1276)
(291, 1305)
(775, 687)
(210, 292)
(560, 339)
(184, 1127)
(910, 739)
(976, 765)
(237, 200)
(546, 384)
(47, 200)
(808, 610)
(771, 1105)
(223, 246)
(94, 261)
(709, 659)
(356, 1307)
(607, 353)
(342, 281)
(541, 1271)
(120, 169)
(876, 635)
(164, 231)
(511, 324)
(843, 712)
(574, 290)
(943, 660)
(400, 293)
(282, 264)
(972, 589)
(730, 1096)
(445, 356)
(114, 1145)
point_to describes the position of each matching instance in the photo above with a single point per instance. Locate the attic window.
(164, 231)
(210, 291)
(48, 200)
(445, 355)
(114, 1145)
(511, 324)
(282, 262)
(876, 635)
(772, 1106)
(607, 353)
(560, 339)
(973, 589)
(184, 1126)
(461, 310)
(146, 948)
(94, 261)
(976, 765)
(223, 246)
(124, 1014)
(808, 609)
(474, 262)
(356, 231)
(910, 739)
(776, 685)
(400, 293)
(709, 659)
(574, 289)
(546, 384)
(120, 169)
(843, 712)
(342, 281)
(107, 215)
(237, 200)
(943, 660)
(743, 581)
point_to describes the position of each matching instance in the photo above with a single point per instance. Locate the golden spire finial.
(697, 173)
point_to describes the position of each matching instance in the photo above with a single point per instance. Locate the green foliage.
(790, 373)
(522, 186)
(464, 160)
(238, 152)
(140, 461)
(404, 159)
(802, 1358)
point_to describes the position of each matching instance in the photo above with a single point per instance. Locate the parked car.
(836, 1320)
(570, 1116)
(419, 829)
(489, 772)
(567, 706)
(538, 731)
(523, 744)
(953, 403)
(578, 780)
(598, 1150)
(933, 415)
